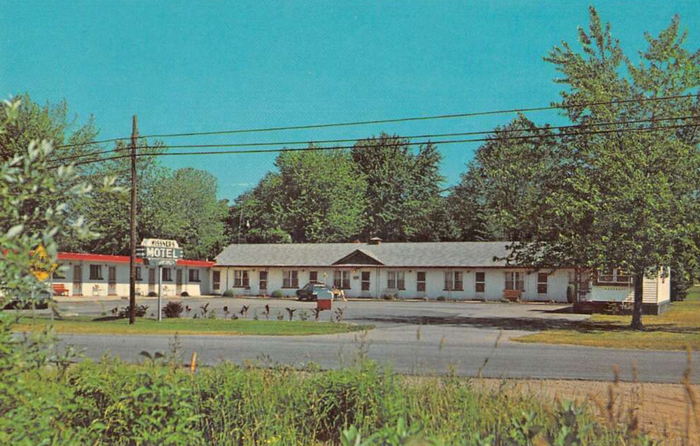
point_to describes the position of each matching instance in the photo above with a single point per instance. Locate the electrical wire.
(384, 121)
(280, 150)
(334, 141)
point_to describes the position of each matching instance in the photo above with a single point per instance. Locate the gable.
(358, 257)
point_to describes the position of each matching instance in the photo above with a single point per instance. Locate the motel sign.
(159, 253)
(159, 250)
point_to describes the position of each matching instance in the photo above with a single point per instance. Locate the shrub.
(152, 294)
(184, 294)
(277, 293)
(173, 309)
(229, 293)
(441, 299)
(140, 311)
(389, 297)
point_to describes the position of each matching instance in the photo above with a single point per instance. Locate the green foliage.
(277, 293)
(315, 197)
(402, 191)
(628, 199)
(158, 403)
(173, 309)
(35, 207)
(380, 188)
(185, 208)
(229, 293)
(51, 123)
(503, 181)
(140, 311)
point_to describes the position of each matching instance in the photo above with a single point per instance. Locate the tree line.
(596, 195)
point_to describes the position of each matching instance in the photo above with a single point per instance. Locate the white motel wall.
(431, 270)
(99, 275)
(380, 282)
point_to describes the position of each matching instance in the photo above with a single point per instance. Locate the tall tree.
(317, 196)
(109, 212)
(628, 198)
(50, 122)
(503, 180)
(403, 187)
(185, 208)
(256, 216)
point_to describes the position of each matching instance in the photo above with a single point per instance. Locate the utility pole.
(132, 223)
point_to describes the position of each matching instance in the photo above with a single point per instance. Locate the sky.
(193, 66)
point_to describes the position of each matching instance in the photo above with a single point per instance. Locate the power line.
(279, 150)
(384, 121)
(333, 141)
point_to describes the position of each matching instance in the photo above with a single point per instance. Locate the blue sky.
(197, 66)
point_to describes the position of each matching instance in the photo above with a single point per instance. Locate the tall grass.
(112, 402)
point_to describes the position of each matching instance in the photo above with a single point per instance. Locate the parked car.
(310, 290)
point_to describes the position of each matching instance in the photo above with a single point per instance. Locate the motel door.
(151, 280)
(112, 281)
(77, 280)
(178, 281)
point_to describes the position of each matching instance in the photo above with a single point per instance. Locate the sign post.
(160, 282)
(159, 253)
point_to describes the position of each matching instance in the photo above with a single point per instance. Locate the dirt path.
(663, 410)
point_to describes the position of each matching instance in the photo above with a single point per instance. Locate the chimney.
(374, 241)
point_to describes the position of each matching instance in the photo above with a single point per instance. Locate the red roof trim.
(79, 256)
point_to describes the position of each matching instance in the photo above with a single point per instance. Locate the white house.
(100, 275)
(432, 270)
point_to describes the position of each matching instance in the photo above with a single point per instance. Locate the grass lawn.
(677, 329)
(87, 325)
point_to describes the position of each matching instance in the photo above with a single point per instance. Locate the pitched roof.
(424, 254)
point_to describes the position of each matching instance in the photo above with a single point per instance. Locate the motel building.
(428, 270)
(373, 270)
(100, 275)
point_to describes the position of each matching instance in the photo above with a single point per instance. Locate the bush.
(229, 293)
(173, 309)
(441, 299)
(140, 311)
(184, 294)
(277, 293)
(152, 294)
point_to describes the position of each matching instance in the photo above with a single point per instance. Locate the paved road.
(412, 337)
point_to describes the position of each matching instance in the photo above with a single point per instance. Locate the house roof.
(106, 258)
(424, 254)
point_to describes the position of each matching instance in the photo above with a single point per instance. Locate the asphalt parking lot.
(416, 337)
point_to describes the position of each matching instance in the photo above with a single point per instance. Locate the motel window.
(420, 281)
(263, 280)
(290, 279)
(313, 276)
(542, 283)
(194, 275)
(216, 279)
(395, 280)
(613, 276)
(480, 282)
(138, 273)
(365, 280)
(341, 279)
(515, 280)
(240, 278)
(96, 272)
(167, 275)
(453, 281)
